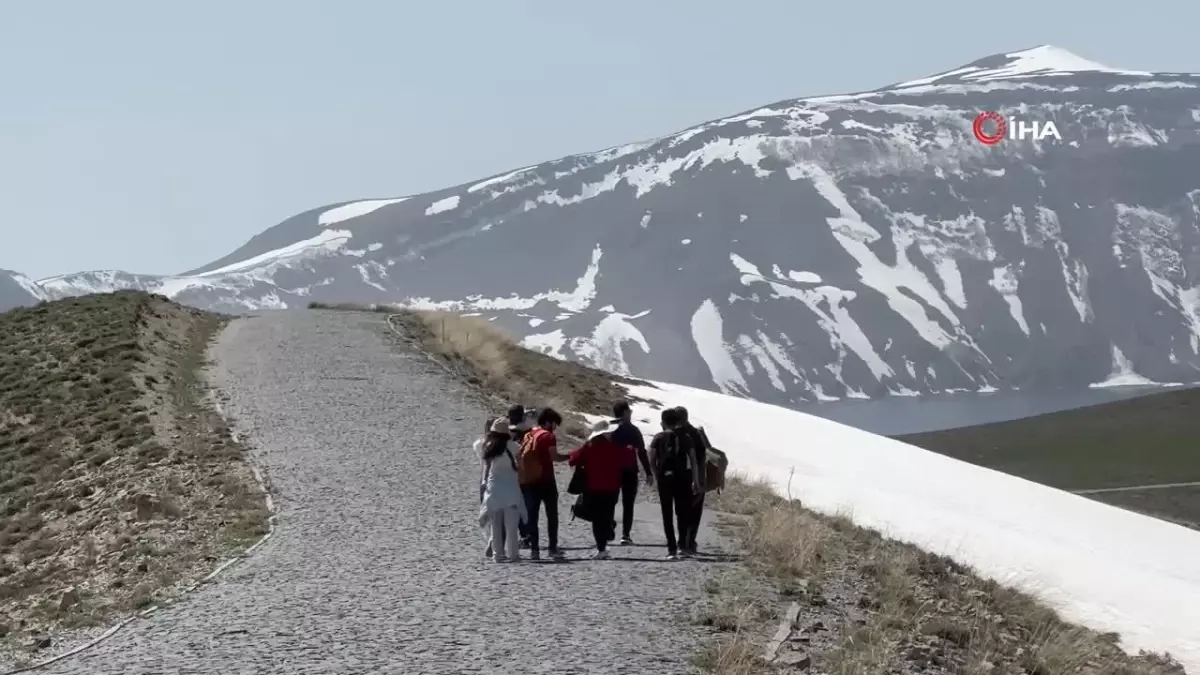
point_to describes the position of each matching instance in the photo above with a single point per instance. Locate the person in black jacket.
(687, 543)
(678, 479)
(629, 435)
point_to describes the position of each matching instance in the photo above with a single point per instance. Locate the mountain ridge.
(853, 245)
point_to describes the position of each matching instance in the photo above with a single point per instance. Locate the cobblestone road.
(376, 565)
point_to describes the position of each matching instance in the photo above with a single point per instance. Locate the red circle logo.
(982, 135)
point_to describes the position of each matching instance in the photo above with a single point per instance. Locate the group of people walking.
(519, 451)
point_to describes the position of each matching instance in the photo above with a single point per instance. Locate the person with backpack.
(535, 472)
(678, 477)
(601, 460)
(627, 434)
(687, 538)
(502, 507)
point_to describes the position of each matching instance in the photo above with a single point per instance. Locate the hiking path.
(376, 564)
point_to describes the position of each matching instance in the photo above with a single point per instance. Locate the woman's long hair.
(495, 445)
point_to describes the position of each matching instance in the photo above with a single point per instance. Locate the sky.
(155, 137)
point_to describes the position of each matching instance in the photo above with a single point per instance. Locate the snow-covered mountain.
(17, 289)
(836, 246)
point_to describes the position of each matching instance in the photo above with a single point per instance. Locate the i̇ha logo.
(991, 127)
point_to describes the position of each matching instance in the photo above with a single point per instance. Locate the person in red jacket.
(603, 461)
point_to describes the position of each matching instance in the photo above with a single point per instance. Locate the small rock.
(145, 506)
(816, 627)
(799, 660)
(42, 643)
(70, 598)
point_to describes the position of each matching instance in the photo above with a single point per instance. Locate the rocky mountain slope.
(853, 245)
(17, 289)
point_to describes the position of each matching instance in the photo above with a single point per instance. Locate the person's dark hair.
(682, 412)
(620, 409)
(670, 417)
(495, 446)
(487, 425)
(516, 415)
(549, 416)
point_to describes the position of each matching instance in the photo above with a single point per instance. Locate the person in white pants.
(503, 506)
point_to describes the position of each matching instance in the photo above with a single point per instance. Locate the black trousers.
(536, 495)
(677, 500)
(601, 507)
(629, 488)
(697, 512)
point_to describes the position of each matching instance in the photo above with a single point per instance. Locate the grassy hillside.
(852, 602)
(1151, 440)
(117, 480)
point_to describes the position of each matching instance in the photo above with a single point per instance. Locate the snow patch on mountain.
(1045, 60)
(652, 173)
(99, 281)
(853, 233)
(28, 285)
(804, 277)
(354, 210)
(1152, 85)
(551, 343)
(606, 347)
(843, 331)
(442, 205)
(1006, 284)
(328, 241)
(577, 300)
(498, 180)
(708, 335)
(1123, 374)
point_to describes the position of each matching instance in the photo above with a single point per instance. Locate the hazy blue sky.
(157, 136)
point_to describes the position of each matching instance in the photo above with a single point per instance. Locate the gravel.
(376, 565)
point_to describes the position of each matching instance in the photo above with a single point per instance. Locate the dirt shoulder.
(120, 484)
(814, 593)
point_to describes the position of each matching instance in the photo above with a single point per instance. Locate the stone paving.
(377, 563)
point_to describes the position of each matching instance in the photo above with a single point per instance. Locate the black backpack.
(674, 455)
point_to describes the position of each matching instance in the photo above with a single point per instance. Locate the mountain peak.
(1040, 61)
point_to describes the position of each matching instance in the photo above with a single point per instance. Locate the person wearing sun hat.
(602, 461)
(503, 505)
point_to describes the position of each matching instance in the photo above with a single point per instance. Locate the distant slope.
(1150, 440)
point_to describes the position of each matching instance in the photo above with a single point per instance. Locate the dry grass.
(117, 482)
(899, 609)
(490, 359)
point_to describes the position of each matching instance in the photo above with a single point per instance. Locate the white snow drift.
(1101, 566)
